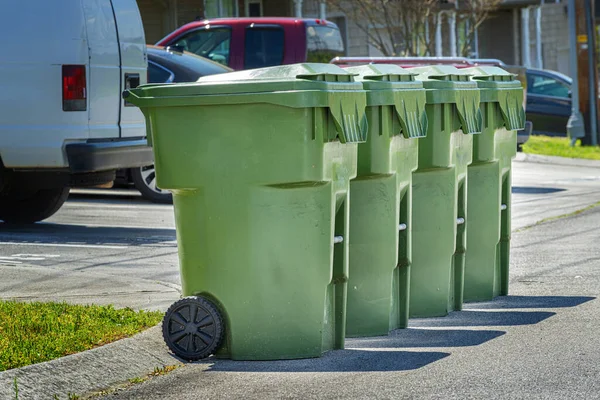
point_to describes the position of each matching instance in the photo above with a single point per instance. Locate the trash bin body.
(259, 164)
(489, 205)
(380, 198)
(439, 191)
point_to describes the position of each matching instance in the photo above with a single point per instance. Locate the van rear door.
(104, 69)
(133, 63)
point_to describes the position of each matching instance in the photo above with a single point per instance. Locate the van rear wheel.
(22, 206)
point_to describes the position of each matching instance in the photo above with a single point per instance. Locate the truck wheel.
(18, 206)
(193, 328)
(144, 180)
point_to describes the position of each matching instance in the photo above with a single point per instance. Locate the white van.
(63, 123)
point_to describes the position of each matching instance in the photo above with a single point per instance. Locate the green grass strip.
(560, 147)
(35, 332)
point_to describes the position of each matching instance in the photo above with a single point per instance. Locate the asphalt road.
(103, 246)
(112, 247)
(539, 343)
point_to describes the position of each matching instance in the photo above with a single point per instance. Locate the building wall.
(189, 10)
(501, 37)
(154, 18)
(555, 38)
(496, 37)
(355, 40)
(277, 8)
(162, 17)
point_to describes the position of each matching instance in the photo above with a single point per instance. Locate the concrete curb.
(90, 371)
(570, 162)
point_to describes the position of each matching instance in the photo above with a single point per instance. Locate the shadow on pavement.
(406, 338)
(535, 190)
(483, 318)
(507, 302)
(338, 361)
(49, 233)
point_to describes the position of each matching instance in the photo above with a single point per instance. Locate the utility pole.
(592, 69)
(575, 125)
(587, 76)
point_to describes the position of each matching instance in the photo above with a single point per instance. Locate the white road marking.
(28, 257)
(37, 255)
(140, 207)
(82, 246)
(171, 228)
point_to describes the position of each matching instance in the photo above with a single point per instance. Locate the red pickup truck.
(246, 43)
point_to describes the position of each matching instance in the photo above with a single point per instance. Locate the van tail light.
(74, 90)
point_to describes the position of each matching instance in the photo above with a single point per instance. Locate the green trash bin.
(440, 191)
(488, 198)
(259, 163)
(380, 198)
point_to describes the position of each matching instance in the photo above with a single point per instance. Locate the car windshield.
(323, 43)
(212, 43)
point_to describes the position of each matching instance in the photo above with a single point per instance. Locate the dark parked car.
(167, 65)
(548, 102)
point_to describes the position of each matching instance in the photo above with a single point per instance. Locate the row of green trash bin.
(314, 203)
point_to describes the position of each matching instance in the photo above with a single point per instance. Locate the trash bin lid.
(385, 77)
(502, 87)
(443, 77)
(493, 77)
(448, 84)
(391, 85)
(308, 85)
(305, 77)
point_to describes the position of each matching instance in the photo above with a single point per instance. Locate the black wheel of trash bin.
(193, 328)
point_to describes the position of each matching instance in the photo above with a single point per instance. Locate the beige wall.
(189, 10)
(277, 8)
(160, 17)
(154, 18)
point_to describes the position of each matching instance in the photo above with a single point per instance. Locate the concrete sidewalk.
(571, 162)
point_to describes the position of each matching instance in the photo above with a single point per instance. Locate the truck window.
(263, 47)
(323, 43)
(211, 43)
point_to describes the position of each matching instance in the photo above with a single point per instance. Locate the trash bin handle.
(469, 113)
(511, 107)
(349, 116)
(129, 94)
(411, 114)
